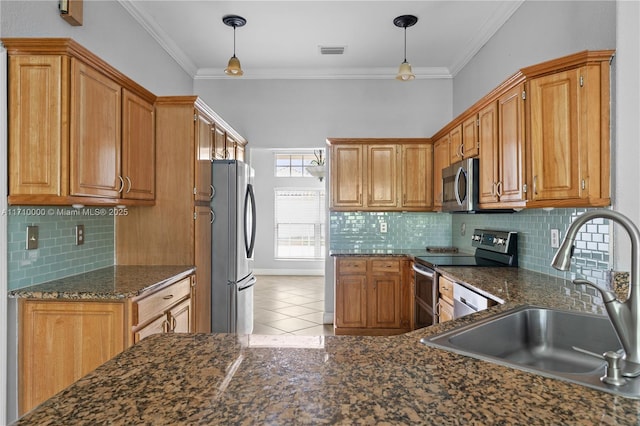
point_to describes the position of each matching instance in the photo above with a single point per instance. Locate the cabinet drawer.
(445, 287)
(352, 266)
(158, 302)
(385, 265)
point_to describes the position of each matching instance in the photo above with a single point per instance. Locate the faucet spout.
(625, 316)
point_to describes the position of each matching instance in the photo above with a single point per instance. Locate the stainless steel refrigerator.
(233, 235)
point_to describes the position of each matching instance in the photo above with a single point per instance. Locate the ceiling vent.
(332, 50)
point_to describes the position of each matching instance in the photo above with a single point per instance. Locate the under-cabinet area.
(68, 327)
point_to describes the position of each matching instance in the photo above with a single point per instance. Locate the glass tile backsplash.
(361, 230)
(57, 255)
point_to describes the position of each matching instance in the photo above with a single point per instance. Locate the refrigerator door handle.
(249, 284)
(249, 215)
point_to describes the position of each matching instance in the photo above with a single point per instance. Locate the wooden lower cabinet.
(445, 301)
(372, 296)
(60, 341)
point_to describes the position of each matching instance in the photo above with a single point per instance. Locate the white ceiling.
(282, 38)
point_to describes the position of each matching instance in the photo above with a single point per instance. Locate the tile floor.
(289, 305)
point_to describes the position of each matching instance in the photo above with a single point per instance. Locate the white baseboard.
(315, 272)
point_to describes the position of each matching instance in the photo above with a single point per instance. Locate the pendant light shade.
(233, 67)
(404, 72)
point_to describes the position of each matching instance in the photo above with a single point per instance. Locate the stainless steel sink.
(541, 341)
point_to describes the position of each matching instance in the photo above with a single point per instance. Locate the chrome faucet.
(625, 316)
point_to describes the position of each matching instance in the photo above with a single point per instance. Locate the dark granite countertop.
(111, 283)
(245, 380)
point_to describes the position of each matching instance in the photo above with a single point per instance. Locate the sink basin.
(542, 341)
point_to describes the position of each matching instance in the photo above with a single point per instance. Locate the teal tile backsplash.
(361, 230)
(57, 256)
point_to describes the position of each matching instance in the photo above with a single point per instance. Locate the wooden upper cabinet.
(347, 176)
(416, 176)
(96, 108)
(489, 173)
(470, 141)
(38, 93)
(220, 143)
(502, 150)
(80, 132)
(138, 147)
(441, 159)
(382, 175)
(556, 152)
(455, 144)
(204, 140)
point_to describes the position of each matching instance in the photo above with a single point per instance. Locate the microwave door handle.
(455, 186)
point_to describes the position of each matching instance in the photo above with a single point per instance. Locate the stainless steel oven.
(425, 294)
(493, 248)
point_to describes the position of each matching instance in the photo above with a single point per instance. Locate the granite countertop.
(226, 379)
(111, 283)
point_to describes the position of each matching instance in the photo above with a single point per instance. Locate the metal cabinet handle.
(129, 184)
(213, 216)
(121, 184)
(535, 185)
(168, 297)
(165, 326)
(212, 192)
(174, 323)
(499, 188)
(461, 150)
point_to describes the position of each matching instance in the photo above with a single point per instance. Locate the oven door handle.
(423, 272)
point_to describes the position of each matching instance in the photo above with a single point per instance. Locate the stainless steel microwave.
(460, 186)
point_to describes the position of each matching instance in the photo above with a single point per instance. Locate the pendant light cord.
(405, 44)
(234, 41)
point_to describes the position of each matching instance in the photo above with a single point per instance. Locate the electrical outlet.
(32, 237)
(383, 227)
(555, 238)
(79, 235)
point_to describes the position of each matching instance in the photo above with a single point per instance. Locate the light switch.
(32, 237)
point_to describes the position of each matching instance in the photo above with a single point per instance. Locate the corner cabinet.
(381, 174)
(569, 113)
(372, 295)
(79, 130)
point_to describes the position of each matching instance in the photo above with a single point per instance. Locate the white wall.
(538, 31)
(110, 32)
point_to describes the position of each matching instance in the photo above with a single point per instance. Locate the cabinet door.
(240, 152)
(417, 176)
(95, 147)
(138, 147)
(445, 311)
(157, 326)
(351, 301)
(230, 149)
(440, 161)
(220, 143)
(382, 176)
(555, 155)
(489, 153)
(204, 144)
(62, 341)
(383, 301)
(201, 293)
(180, 317)
(511, 145)
(347, 181)
(38, 154)
(470, 142)
(455, 136)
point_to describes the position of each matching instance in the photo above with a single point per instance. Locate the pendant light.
(233, 68)
(404, 21)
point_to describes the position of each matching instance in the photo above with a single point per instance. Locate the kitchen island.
(225, 379)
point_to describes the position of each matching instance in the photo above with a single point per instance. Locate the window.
(299, 223)
(293, 164)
